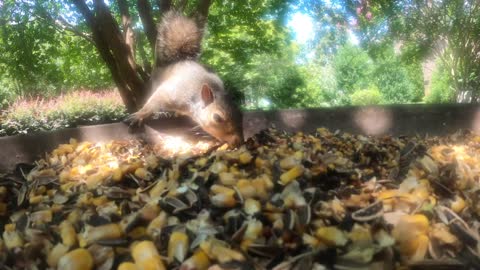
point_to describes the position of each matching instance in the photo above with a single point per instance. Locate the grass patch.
(73, 109)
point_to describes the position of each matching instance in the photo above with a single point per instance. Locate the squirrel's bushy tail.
(178, 38)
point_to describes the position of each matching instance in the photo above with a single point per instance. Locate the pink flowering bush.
(82, 107)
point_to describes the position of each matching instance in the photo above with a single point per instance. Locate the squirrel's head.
(220, 117)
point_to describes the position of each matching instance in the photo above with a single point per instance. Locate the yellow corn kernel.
(415, 248)
(331, 236)
(82, 241)
(246, 188)
(298, 155)
(288, 163)
(254, 229)
(64, 176)
(227, 178)
(198, 261)
(108, 231)
(67, 186)
(55, 254)
(361, 236)
(291, 175)
(313, 242)
(41, 190)
(177, 246)
(458, 205)
(219, 189)
(12, 238)
(127, 266)
(85, 199)
(117, 174)
(260, 163)
(245, 244)
(223, 200)
(245, 157)
(78, 259)
(219, 251)
(74, 216)
(142, 173)
(252, 206)
(35, 199)
(234, 169)
(42, 216)
(387, 195)
(150, 211)
(68, 234)
(56, 208)
(261, 187)
(159, 188)
(157, 224)
(94, 180)
(154, 263)
(409, 226)
(146, 256)
(218, 167)
(99, 200)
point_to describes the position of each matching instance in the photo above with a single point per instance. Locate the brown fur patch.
(179, 38)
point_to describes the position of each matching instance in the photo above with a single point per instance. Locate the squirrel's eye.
(217, 118)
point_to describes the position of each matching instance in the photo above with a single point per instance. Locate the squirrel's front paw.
(134, 121)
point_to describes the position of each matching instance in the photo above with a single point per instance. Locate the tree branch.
(63, 25)
(127, 30)
(126, 92)
(164, 5)
(146, 64)
(144, 10)
(201, 12)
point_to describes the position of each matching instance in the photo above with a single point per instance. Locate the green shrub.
(353, 68)
(441, 90)
(394, 82)
(69, 110)
(370, 96)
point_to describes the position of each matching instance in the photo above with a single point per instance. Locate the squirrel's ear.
(207, 94)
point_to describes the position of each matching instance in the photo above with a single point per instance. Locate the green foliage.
(320, 84)
(268, 81)
(38, 60)
(450, 29)
(248, 46)
(70, 110)
(442, 90)
(277, 80)
(393, 80)
(369, 96)
(353, 67)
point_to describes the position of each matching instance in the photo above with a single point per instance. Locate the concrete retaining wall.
(378, 120)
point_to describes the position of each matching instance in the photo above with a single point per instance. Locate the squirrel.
(179, 83)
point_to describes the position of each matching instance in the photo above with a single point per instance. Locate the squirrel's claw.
(134, 121)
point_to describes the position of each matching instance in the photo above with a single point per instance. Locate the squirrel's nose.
(235, 141)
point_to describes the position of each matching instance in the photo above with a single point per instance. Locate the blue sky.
(302, 26)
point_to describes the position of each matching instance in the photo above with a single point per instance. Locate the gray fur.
(177, 81)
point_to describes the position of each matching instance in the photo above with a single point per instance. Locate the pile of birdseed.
(281, 201)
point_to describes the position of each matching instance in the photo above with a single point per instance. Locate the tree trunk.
(117, 47)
